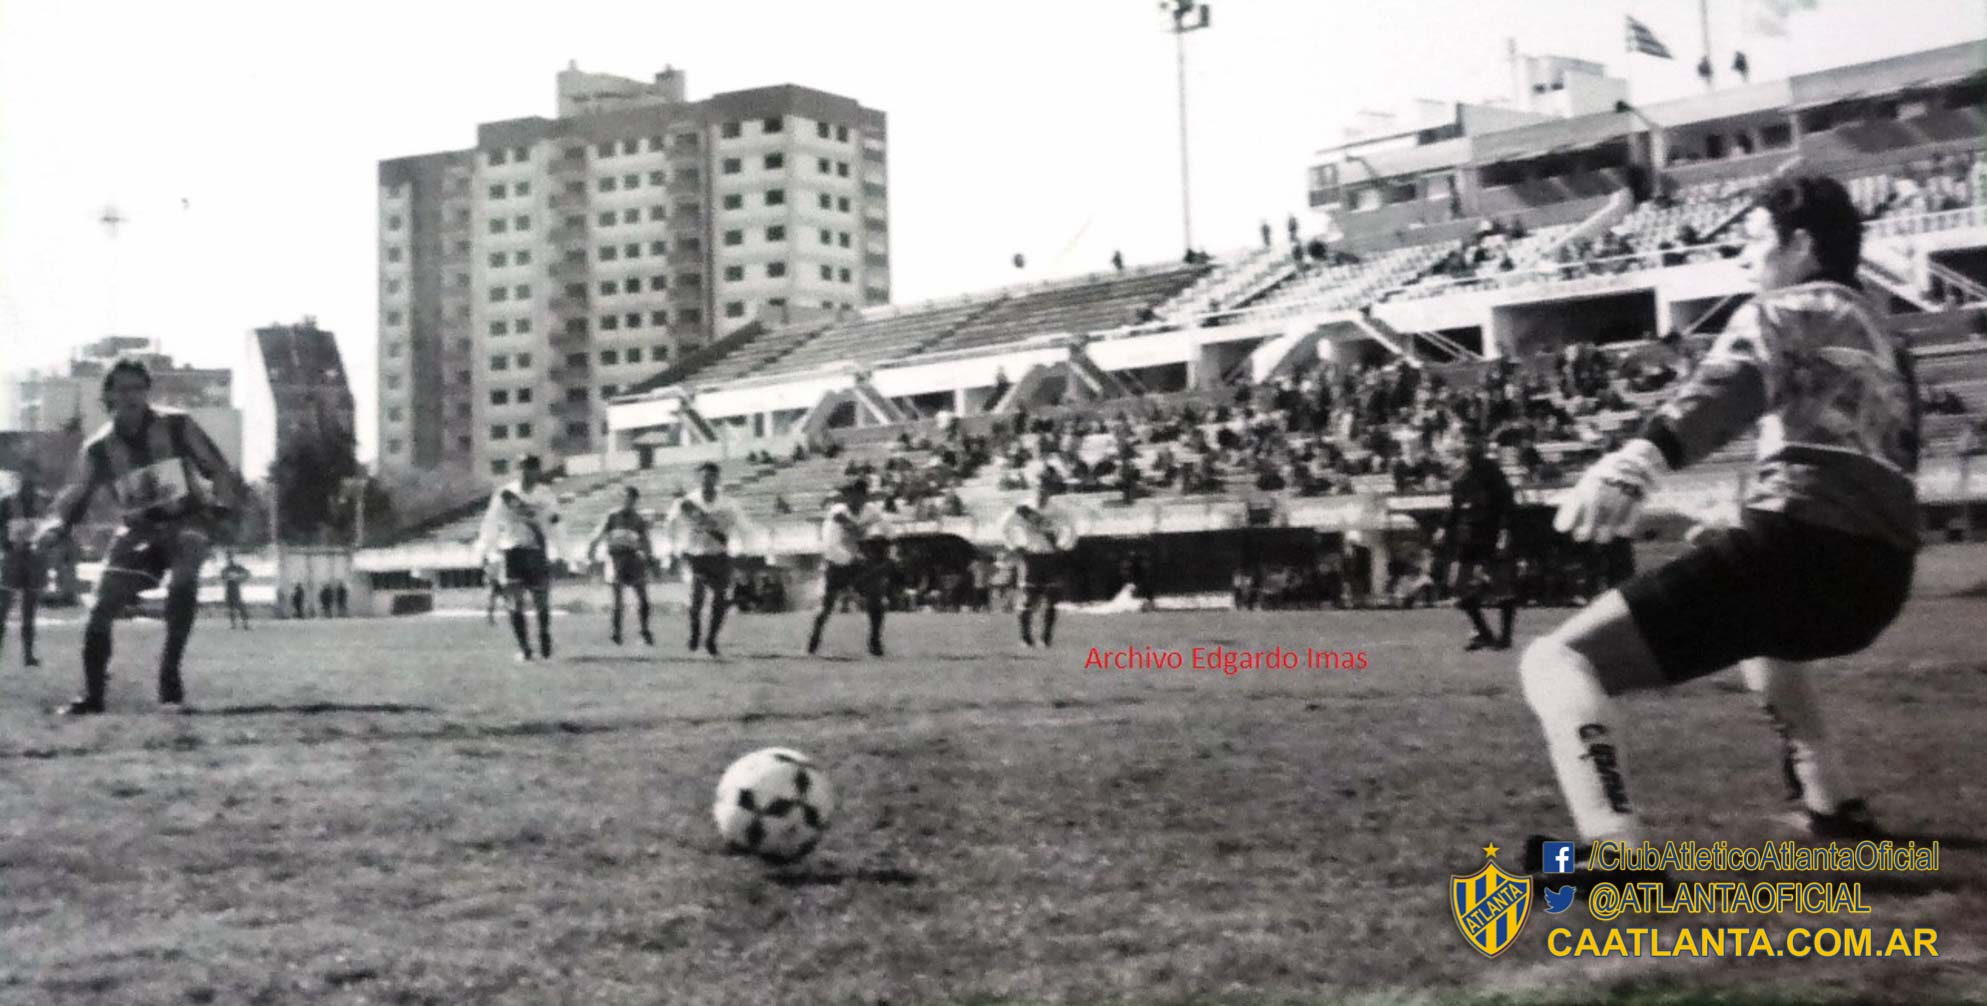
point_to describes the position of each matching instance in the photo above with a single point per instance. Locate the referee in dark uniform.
(1478, 534)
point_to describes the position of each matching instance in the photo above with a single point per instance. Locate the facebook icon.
(1559, 857)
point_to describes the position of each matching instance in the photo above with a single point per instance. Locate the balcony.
(569, 268)
(563, 165)
(568, 201)
(566, 408)
(569, 305)
(563, 338)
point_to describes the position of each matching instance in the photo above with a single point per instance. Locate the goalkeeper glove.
(1607, 501)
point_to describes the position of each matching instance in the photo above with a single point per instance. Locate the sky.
(240, 141)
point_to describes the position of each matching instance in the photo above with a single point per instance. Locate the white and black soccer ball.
(775, 804)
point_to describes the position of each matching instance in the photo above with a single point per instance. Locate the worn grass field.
(395, 812)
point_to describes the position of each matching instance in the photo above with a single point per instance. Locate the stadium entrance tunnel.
(1526, 329)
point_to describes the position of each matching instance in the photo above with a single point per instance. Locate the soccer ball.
(774, 803)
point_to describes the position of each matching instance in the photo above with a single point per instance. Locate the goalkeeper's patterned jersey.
(624, 531)
(1833, 402)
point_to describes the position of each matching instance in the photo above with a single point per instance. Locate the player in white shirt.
(518, 526)
(1042, 536)
(629, 556)
(855, 542)
(700, 527)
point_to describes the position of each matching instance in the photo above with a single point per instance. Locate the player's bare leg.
(114, 593)
(1049, 618)
(614, 615)
(719, 604)
(877, 606)
(541, 598)
(828, 599)
(519, 627)
(696, 612)
(1814, 772)
(642, 610)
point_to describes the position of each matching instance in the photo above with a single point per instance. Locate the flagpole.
(1704, 25)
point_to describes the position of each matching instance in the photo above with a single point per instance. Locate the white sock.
(1785, 691)
(1578, 719)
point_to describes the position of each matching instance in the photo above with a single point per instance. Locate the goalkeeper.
(629, 557)
(1821, 560)
(1043, 537)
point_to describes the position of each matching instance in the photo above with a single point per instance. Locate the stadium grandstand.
(1544, 282)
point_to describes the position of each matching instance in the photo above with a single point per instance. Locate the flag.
(1642, 40)
(1741, 67)
(1768, 18)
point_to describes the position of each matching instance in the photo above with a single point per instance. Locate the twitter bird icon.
(1558, 900)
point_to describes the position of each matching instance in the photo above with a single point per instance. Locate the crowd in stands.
(1943, 182)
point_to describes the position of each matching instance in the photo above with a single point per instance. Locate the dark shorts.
(713, 571)
(1773, 587)
(863, 576)
(1043, 573)
(1479, 573)
(527, 567)
(627, 568)
(147, 552)
(18, 569)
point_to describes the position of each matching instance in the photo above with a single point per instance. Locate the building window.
(522, 326)
(632, 249)
(576, 394)
(523, 430)
(732, 166)
(632, 320)
(609, 390)
(393, 254)
(393, 222)
(500, 328)
(842, 134)
(393, 447)
(826, 201)
(776, 232)
(688, 176)
(605, 219)
(821, 130)
(686, 141)
(604, 150)
(734, 273)
(496, 192)
(774, 270)
(500, 363)
(393, 383)
(498, 260)
(658, 213)
(393, 317)
(576, 430)
(499, 226)
(631, 146)
(735, 309)
(523, 360)
(500, 433)
(499, 467)
(393, 350)
(842, 203)
(499, 294)
(520, 155)
(396, 414)
(828, 273)
(689, 279)
(521, 258)
(655, 144)
(635, 355)
(842, 239)
(495, 157)
(690, 316)
(732, 238)
(576, 326)
(610, 322)
(609, 357)
(522, 291)
(658, 319)
(729, 130)
(608, 287)
(827, 236)
(658, 248)
(631, 181)
(773, 125)
(609, 253)
(500, 397)
(776, 197)
(734, 201)
(393, 286)
(841, 169)
(658, 282)
(524, 396)
(522, 223)
(520, 188)
(845, 274)
(605, 184)
(822, 165)
(656, 177)
(774, 162)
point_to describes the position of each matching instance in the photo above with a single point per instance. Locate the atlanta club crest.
(1490, 905)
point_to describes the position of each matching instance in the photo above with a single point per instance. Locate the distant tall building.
(71, 398)
(295, 385)
(524, 282)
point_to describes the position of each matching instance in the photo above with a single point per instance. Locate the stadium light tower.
(1183, 11)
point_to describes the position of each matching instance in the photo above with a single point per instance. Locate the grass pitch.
(395, 812)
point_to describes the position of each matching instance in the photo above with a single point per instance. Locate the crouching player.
(153, 462)
(629, 557)
(1821, 560)
(1043, 537)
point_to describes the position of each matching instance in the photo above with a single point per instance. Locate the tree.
(314, 503)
